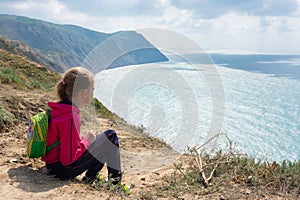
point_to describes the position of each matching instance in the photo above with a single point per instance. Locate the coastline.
(151, 168)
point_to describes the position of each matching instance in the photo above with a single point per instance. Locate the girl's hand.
(91, 136)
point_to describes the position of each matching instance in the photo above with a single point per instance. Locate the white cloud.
(114, 8)
(48, 10)
(229, 24)
(293, 23)
(216, 8)
(233, 23)
(26, 6)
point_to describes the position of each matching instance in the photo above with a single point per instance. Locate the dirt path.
(144, 161)
(23, 178)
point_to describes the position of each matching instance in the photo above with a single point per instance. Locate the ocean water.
(253, 99)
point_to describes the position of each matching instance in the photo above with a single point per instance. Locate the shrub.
(6, 118)
(7, 75)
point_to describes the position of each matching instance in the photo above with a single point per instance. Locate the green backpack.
(37, 134)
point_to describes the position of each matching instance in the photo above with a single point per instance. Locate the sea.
(249, 103)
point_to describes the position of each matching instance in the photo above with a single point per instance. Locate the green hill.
(64, 46)
(24, 87)
(23, 73)
(24, 84)
(20, 48)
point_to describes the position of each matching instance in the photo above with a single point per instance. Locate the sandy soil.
(145, 161)
(24, 178)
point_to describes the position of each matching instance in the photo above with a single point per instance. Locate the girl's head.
(77, 86)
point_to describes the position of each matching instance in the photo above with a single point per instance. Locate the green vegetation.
(114, 189)
(25, 74)
(101, 110)
(19, 72)
(6, 118)
(7, 76)
(231, 175)
(65, 46)
(227, 173)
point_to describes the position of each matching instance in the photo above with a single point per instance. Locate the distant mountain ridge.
(20, 48)
(60, 47)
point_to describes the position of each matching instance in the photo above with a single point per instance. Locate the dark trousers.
(105, 149)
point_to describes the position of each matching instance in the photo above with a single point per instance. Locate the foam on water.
(262, 115)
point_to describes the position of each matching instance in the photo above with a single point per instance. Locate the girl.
(76, 154)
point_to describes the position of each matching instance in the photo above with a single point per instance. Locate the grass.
(232, 173)
(25, 74)
(115, 189)
(235, 174)
(8, 75)
(101, 110)
(90, 113)
(6, 118)
(18, 72)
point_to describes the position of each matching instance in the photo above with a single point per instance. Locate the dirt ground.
(145, 161)
(24, 178)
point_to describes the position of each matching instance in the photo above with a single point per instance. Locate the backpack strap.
(55, 144)
(48, 111)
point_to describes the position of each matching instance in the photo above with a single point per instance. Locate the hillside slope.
(153, 169)
(19, 73)
(25, 89)
(68, 45)
(21, 48)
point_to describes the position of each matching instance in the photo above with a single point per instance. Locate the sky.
(263, 26)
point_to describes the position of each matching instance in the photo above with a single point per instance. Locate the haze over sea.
(262, 101)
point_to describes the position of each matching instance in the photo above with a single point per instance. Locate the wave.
(173, 102)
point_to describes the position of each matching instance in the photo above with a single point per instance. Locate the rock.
(14, 160)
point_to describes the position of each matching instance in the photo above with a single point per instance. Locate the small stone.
(222, 197)
(248, 191)
(28, 164)
(14, 160)
(143, 179)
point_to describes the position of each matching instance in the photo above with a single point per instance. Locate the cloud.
(104, 15)
(216, 8)
(31, 7)
(253, 24)
(113, 8)
(48, 10)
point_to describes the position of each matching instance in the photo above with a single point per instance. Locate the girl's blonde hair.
(74, 80)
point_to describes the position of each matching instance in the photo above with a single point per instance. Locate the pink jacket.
(65, 126)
